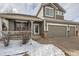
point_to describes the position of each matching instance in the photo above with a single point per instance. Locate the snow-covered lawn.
(32, 48)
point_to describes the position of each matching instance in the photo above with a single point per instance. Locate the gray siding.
(59, 17)
(11, 25)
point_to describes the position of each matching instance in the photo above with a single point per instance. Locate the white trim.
(55, 13)
(76, 29)
(1, 27)
(34, 28)
(20, 21)
(47, 26)
(51, 9)
(59, 25)
(72, 25)
(44, 25)
(68, 28)
(59, 13)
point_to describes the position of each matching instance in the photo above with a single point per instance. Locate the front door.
(36, 28)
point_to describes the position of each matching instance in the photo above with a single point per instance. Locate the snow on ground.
(32, 48)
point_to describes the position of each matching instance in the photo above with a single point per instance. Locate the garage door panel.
(72, 31)
(56, 31)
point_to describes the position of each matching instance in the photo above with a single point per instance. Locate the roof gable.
(55, 5)
(59, 7)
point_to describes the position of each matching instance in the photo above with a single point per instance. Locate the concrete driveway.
(70, 45)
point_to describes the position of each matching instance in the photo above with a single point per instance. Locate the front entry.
(36, 29)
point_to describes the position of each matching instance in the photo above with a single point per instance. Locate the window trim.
(20, 25)
(59, 25)
(34, 28)
(52, 10)
(59, 13)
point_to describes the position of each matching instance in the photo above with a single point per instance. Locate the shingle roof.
(59, 7)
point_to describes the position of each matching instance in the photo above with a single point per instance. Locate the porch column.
(45, 29)
(76, 31)
(68, 30)
(31, 29)
(0, 27)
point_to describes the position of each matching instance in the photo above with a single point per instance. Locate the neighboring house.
(48, 22)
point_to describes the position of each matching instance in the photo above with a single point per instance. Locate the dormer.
(51, 10)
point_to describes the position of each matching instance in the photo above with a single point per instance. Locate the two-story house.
(48, 22)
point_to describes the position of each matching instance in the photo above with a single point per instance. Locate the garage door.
(56, 31)
(72, 31)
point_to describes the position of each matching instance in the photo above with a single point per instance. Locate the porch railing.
(10, 35)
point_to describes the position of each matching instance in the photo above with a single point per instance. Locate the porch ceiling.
(19, 16)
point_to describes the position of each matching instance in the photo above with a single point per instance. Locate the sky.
(72, 9)
(25, 8)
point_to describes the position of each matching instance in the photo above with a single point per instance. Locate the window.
(21, 26)
(18, 26)
(49, 12)
(59, 13)
(36, 28)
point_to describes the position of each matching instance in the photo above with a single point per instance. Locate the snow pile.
(32, 48)
(44, 49)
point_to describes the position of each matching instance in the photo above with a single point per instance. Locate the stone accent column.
(45, 34)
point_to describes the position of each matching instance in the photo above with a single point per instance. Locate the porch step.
(37, 37)
(15, 38)
(40, 39)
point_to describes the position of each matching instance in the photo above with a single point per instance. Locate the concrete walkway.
(70, 45)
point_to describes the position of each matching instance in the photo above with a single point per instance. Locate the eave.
(19, 16)
(62, 21)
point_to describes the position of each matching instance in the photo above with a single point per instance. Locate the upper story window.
(59, 13)
(49, 12)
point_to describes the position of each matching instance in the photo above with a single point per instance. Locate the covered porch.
(34, 27)
(20, 27)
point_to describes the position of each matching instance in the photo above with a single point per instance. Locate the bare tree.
(5, 34)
